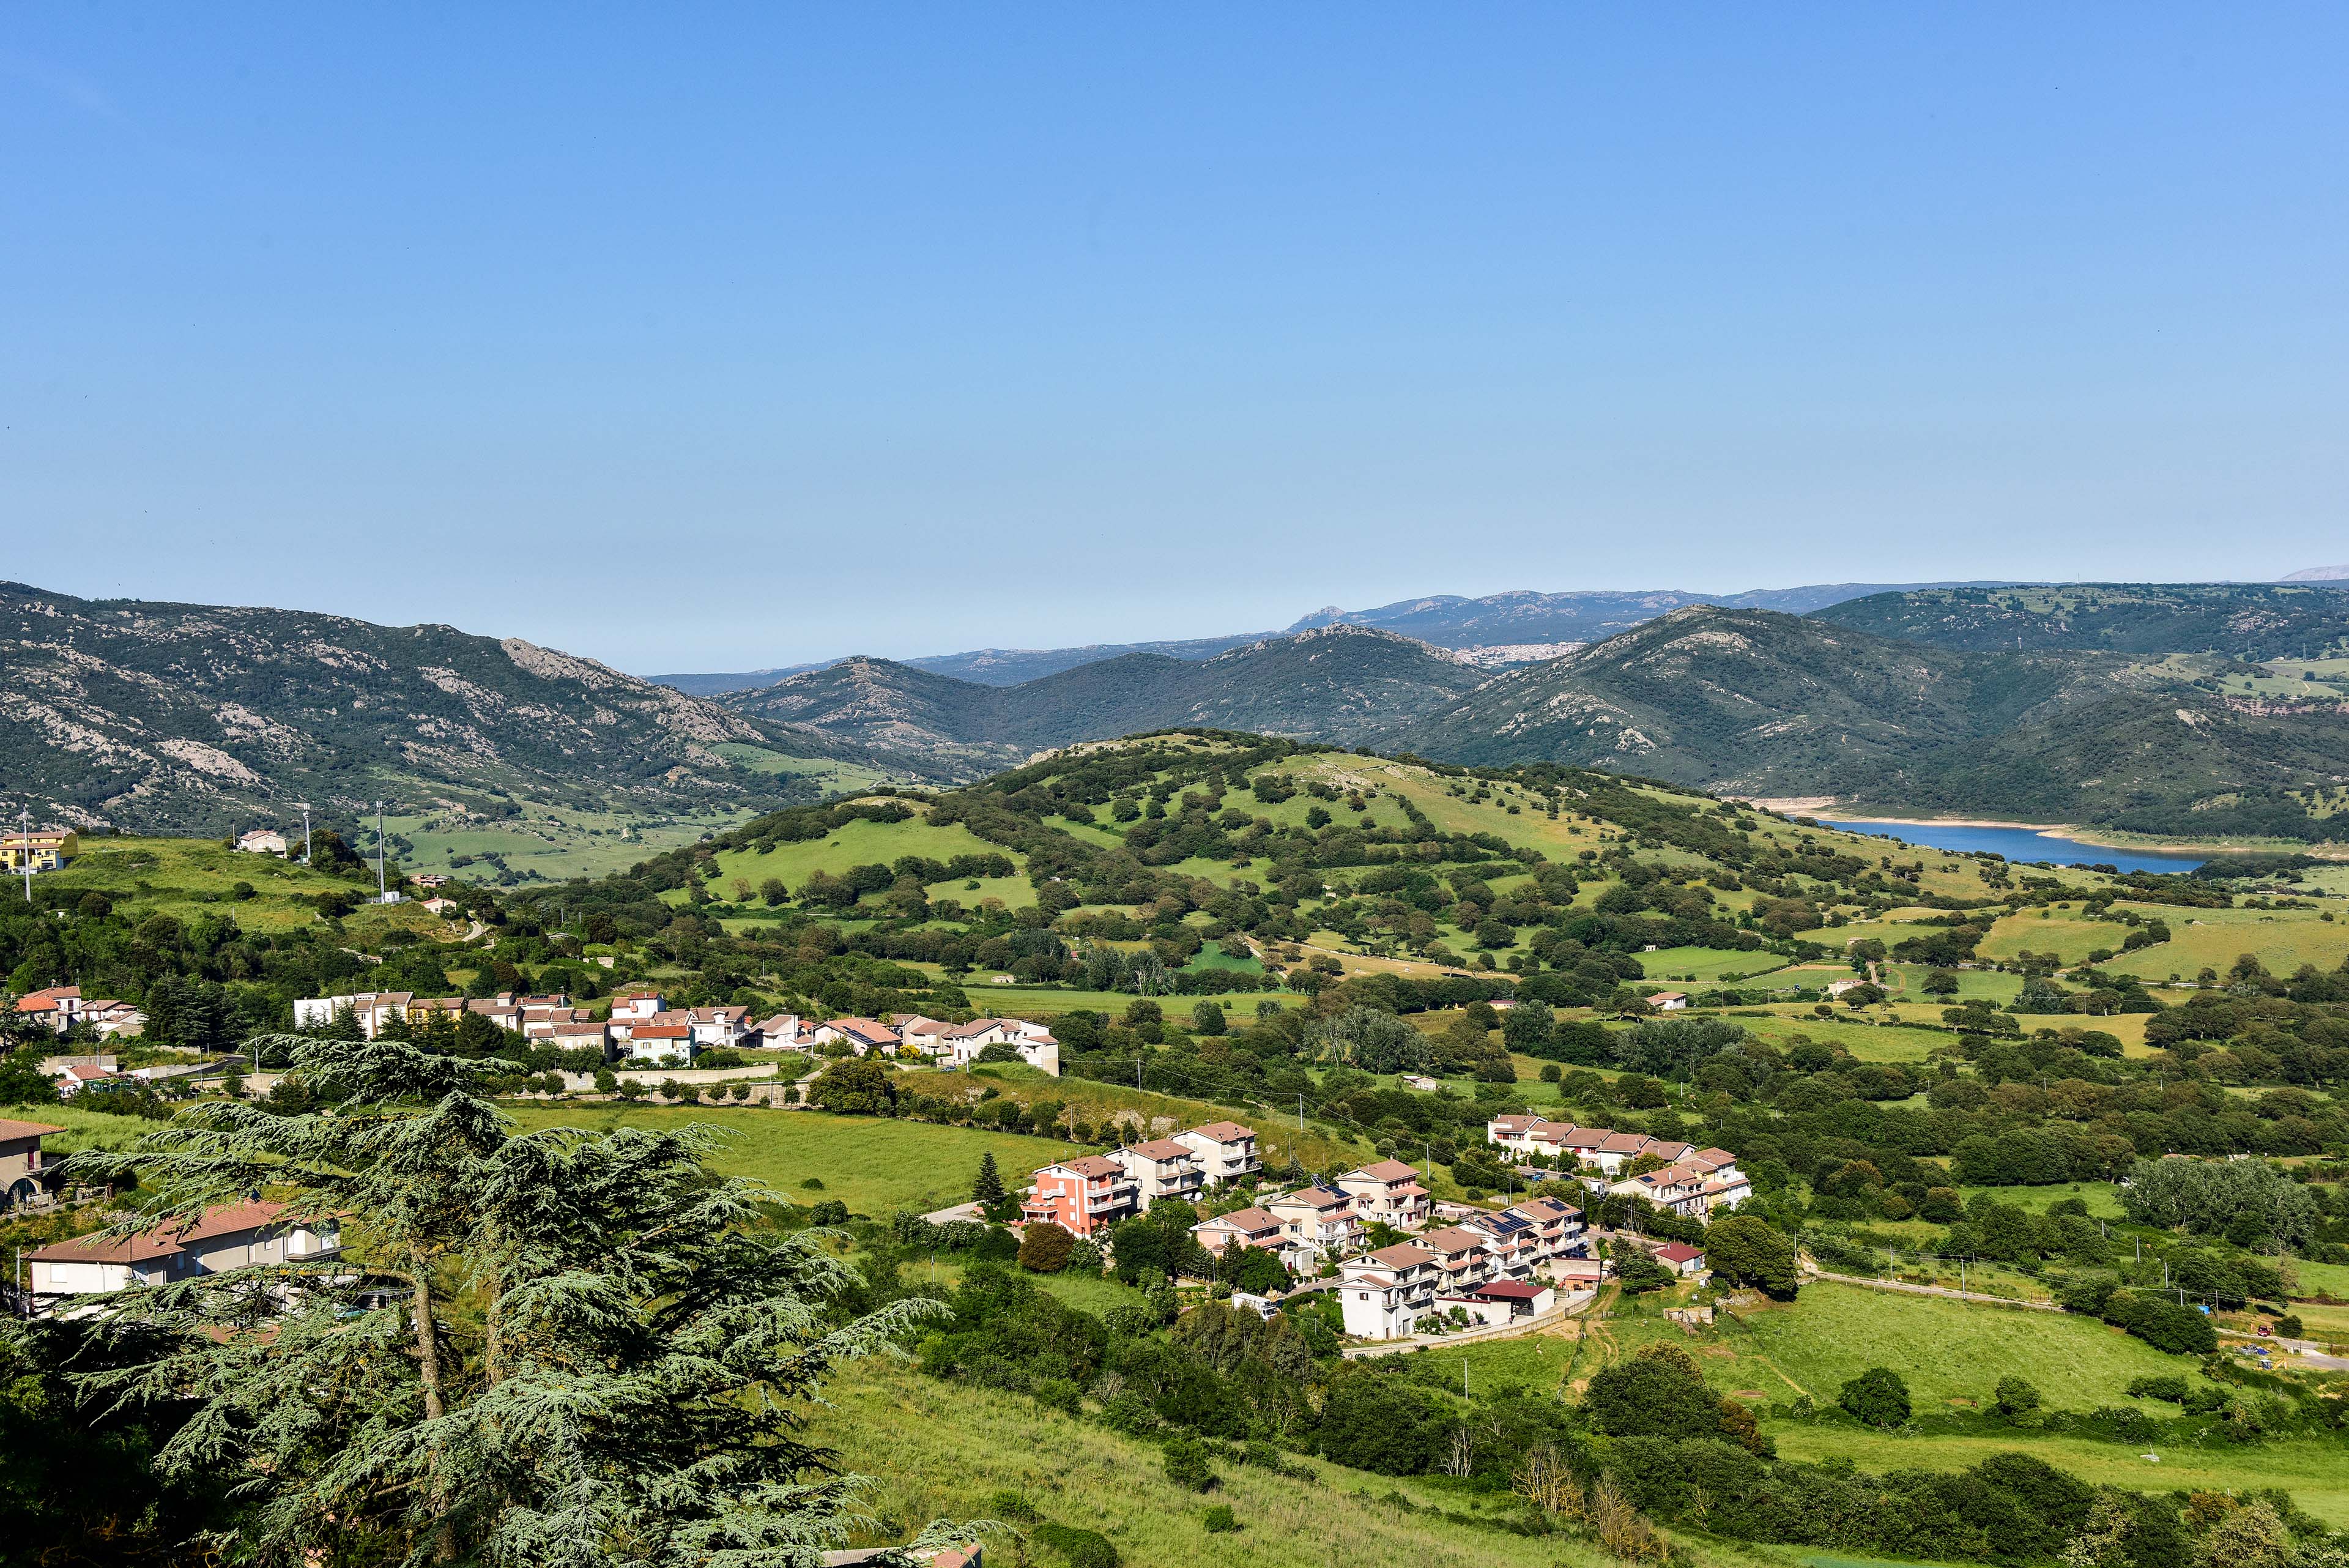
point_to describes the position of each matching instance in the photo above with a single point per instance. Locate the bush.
(1220, 1520)
(2014, 1397)
(2289, 1325)
(2168, 1385)
(1877, 1397)
(1188, 1466)
(1077, 1548)
(1044, 1248)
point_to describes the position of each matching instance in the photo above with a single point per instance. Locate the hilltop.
(1753, 702)
(1337, 683)
(196, 717)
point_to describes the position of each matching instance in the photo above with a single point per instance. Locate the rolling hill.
(195, 718)
(1342, 684)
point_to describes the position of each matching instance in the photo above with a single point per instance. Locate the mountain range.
(2192, 710)
(195, 718)
(1497, 621)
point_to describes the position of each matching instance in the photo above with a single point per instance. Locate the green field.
(83, 1130)
(942, 1450)
(2211, 938)
(549, 843)
(190, 878)
(1868, 1043)
(874, 1165)
(2315, 1471)
(1709, 964)
(2103, 1199)
(863, 842)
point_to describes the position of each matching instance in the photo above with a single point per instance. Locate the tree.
(541, 1346)
(1747, 1250)
(1207, 1018)
(1187, 1465)
(1877, 1397)
(856, 1085)
(1941, 982)
(1657, 1393)
(1636, 1269)
(1529, 1026)
(1372, 1041)
(986, 1188)
(1044, 1248)
(2014, 1396)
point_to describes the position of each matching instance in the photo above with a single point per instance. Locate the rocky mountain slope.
(1753, 702)
(1337, 683)
(2253, 621)
(194, 718)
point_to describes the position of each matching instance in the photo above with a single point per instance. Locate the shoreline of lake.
(2021, 842)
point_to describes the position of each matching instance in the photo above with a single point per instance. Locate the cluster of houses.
(645, 1030)
(57, 1008)
(1486, 1266)
(44, 850)
(1684, 1178)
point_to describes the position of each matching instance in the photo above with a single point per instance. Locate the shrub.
(2166, 1386)
(2289, 1325)
(1044, 1248)
(2014, 1397)
(1220, 1520)
(1877, 1397)
(1077, 1548)
(1188, 1466)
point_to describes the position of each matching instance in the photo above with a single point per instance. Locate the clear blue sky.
(694, 336)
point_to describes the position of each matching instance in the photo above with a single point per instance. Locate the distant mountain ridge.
(1445, 620)
(1755, 702)
(1342, 683)
(2254, 621)
(138, 714)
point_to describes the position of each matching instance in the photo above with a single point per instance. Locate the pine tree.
(987, 1190)
(557, 1347)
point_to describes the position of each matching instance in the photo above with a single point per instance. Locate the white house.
(1161, 1168)
(1387, 1193)
(1668, 1001)
(1381, 1294)
(658, 1044)
(232, 1236)
(1317, 1221)
(637, 1003)
(262, 841)
(716, 1026)
(1225, 1152)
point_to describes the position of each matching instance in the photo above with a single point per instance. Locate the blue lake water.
(2020, 843)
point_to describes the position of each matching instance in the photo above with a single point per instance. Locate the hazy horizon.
(738, 337)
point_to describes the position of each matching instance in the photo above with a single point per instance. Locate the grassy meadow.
(190, 878)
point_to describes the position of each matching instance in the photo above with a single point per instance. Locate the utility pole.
(305, 833)
(379, 889)
(25, 851)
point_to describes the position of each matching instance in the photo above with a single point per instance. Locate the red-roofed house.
(1085, 1195)
(1681, 1257)
(1316, 1218)
(863, 1034)
(1254, 1228)
(53, 1007)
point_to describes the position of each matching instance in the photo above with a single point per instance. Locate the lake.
(2020, 843)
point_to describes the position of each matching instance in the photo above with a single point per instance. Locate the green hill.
(1341, 684)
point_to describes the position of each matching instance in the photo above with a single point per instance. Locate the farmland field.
(2210, 939)
(874, 1165)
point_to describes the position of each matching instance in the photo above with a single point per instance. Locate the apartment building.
(1225, 1152)
(1161, 1168)
(1086, 1195)
(1319, 1222)
(1387, 1193)
(1383, 1294)
(1257, 1228)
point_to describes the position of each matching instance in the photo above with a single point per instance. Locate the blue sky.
(694, 336)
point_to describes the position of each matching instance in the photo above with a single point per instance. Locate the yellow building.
(46, 851)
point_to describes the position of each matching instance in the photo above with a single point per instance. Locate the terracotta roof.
(228, 1220)
(11, 1131)
(661, 1032)
(1160, 1148)
(1453, 1238)
(1090, 1165)
(1623, 1143)
(1386, 1171)
(1509, 1291)
(1243, 1220)
(1226, 1132)
(1401, 1255)
(1315, 1198)
(1678, 1252)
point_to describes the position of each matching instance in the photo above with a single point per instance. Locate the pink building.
(1086, 1195)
